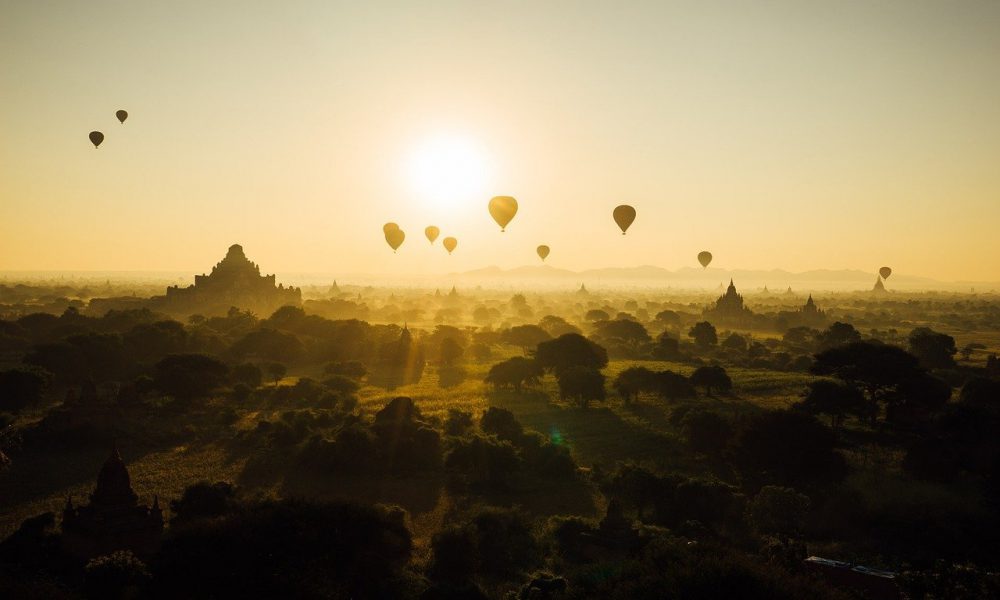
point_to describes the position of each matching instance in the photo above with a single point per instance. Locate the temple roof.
(114, 486)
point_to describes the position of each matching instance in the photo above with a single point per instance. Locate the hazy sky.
(791, 134)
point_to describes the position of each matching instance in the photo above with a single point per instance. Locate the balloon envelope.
(122, 115)
(96, 137)
(449, 244)
(624, 215)
(885, 272)
(543, 252)
(503, 209)
(704, 257)
(389, 227)
(432, 233)
(395, 237)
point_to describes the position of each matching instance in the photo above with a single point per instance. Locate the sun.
(448, 170)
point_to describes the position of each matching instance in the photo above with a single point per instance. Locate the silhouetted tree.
(557, 326)
(203, 500)
(712, 377)
(668, 318)
(248, 374)
(571, 350)
(801, 338)
(190, 376)
(597, 314)
(622, 331)
(876, 368)
(838, 334)
(674, 386)
(835, 399)
(355, 369)
(581, 384)
(704, 335)
(151, 342)
(525, 336)
(482, 460)
(276, 371)
(495, 542)
(341, 384)
(736, 342)
(917, 399)
(633, 381)
(501, 423)
(268, 344)
(667, 347)
(934, 350)
(515, 372)
(458, 422)
(787, 448)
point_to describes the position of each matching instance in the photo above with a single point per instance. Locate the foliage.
(190, 376)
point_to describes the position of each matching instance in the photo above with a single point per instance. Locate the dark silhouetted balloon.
(96, 137)
(503, 209)
(432, 233)
(704, 257)
(624, 215)
(389, 227)
(543, 252)
(885, 272)
(122, 115)
(449, 244)
(394, 237)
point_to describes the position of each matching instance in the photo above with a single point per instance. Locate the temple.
(114, 519)
(810, 314)
(879, 286)
(729, 307)
(234, 281)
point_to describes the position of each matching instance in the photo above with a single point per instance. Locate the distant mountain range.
(776, 279)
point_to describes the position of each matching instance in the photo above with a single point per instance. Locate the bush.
(458, 422)
(501, 423)
(342, 385)
(116, 575)
(354, 369)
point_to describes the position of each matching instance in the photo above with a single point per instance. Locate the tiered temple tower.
(729, 307)
(234, 281)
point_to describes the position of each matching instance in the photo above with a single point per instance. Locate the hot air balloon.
(503, 209)
(432, 233)
(122, 115)
(389, 227)
(394, 237)
(543, 252)
(624, 215)
(449, 244)
(885, 272)
(96, 137)
(704, 257)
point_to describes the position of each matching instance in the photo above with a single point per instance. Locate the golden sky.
(793, 134)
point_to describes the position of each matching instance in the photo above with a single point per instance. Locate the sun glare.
(447, 171)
